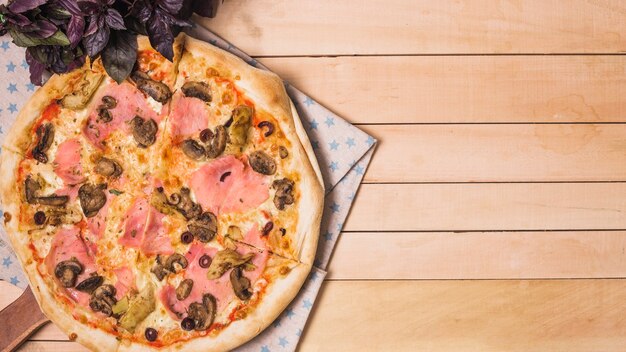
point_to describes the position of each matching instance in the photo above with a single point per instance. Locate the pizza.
(179, 209)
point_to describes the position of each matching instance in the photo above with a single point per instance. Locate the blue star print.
(308, 101)
(25, 64)
(315, 144)
(333, 145)
(11, 67)
(299, 332)
(6, 261)
(334, 166)
(334, 207)
(277, 323)
(12, 108)
(0, 129)
(283, 342)
(359, 170)
(290, 313)
(307, 304)
(5, 45)
(313, 275)
(339, 226)
(328, 236)
(329, 121)
(12, 88)
(30, 87)
(370, 140)
(350, 142)
(314, 125)
(265, 349)
(14, 280)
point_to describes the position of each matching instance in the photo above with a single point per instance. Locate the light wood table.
(493, 216)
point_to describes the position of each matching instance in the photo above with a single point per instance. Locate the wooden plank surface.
(312, 27)
(497, 153)
(492, 207)
(467, 89)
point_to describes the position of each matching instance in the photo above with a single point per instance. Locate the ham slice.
(220, 288)
(144, 230)
(189, 116)
(67, 162)
(68, 244)
(125, 281)
(130, 102)
(237, 192)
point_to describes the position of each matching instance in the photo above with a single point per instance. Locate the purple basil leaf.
(75, 29)
(144, 13)
(19, 20)
(35, 68)
(71, 6)
(114, 19)
(20, 6)
(54, 11)
(89, 7)
(120, 55)
(171, 6)
(96, 42)
(161, 37)
(93, 25)
(44, 29)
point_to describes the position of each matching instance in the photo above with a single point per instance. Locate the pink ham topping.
(125, 281)
(228, 185)
(143, 229)
(220, 288)
(68, 244)
(130, 103)
(67, 162)
(189, 116)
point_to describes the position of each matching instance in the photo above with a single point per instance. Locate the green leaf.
(25, 40)
(115, 191)
(120, 54)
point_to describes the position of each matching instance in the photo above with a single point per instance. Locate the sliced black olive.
(39, 217)
(199, 90)
(240, 283)
(92, 198)
(184, 289)
(90, 284)
(206, 135)
(193, 149)
(262, 163)
(218, 143)
(151, 334)
(204, 227)
(282, 151)
(282, 231)
(108, 102)
(224, 176)
(242, 118)
(268, 228)
(268, 125)
(188, 324)
(284, 192)
(144, 131)
(204, 261)
(108, 167)
(67, 271)
(186, 237)
(156, 90)
(103, 299)
(175, 261)
(45, 136)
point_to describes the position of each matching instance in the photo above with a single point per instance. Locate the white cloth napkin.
(342, 150)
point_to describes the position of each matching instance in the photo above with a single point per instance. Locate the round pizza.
(179, 209)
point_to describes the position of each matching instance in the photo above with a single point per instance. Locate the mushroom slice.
(284, 193)
(218, 143)
(31, 187)
(262, 163)
(103, 299)
(241, 284)
(90, 284)
(184, 289)
(67, 271)
(193, 149)
(186, 206)
(53, 200)
(204, 227)
(174, 261)
(45, 136)
(156, 90)
(108, 167)
(210, 303)
(159, 269)
(92, 198)
(225, 260)
(242, 118)
(200, 315)
(199, 90)
(144, 131)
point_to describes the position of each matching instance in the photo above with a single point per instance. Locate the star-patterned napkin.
(342, 150)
